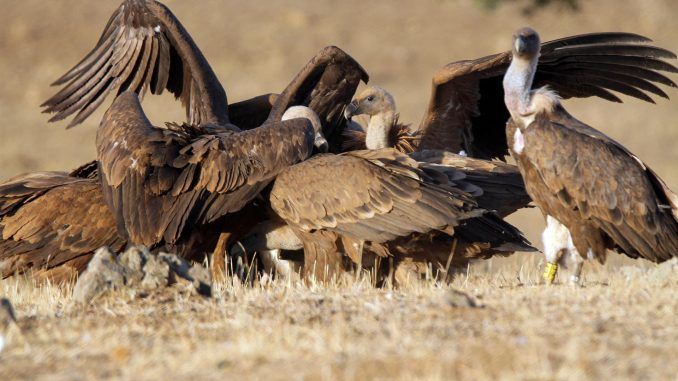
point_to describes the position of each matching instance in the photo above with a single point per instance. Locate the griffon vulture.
(52, 222)
(594, 193)
(466, 111)
(383, 196)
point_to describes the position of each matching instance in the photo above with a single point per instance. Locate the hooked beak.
(520, 45)
(321, 143)
(351, 110)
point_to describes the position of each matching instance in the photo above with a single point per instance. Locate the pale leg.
(555, 239)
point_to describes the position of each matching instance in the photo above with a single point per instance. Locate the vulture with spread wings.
(594, 193)
(466, 110)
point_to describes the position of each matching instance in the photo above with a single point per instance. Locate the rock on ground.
(139, 269)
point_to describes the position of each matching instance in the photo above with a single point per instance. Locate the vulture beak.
(520, 44)
(351, 110)
(526, 42)
(321, 143)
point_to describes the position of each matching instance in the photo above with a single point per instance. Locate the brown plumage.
(596, 194)
(502, 191)
(399, 137)
(163, 183)
(143, 46)
(466, 109)
(326, 85)
(52, 222)
(383, 196)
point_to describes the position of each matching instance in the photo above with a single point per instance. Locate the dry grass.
(621, 324)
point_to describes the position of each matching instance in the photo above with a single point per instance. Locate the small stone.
(134, 259)
(7, 322)
(156, 273)
(103, 273)
(459, 299)
(198, 275)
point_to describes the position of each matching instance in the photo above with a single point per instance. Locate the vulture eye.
(370, 98)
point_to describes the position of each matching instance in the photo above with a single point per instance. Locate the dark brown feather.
(142, 46)
(466, 110)
(326, 84)
(600, 191)
(162, 184)
(54, 224)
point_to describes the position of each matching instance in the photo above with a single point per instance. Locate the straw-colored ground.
(622, 324)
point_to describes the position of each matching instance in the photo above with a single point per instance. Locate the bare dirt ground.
(621, 324)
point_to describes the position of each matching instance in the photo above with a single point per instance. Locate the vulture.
(385, 199)
(501, 186)
(384, 195)
(53, 222)
(466, 110)
(594, 193)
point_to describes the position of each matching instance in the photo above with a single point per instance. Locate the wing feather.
(605, 184)
(143, 45)
(382, 195)
(466, 109)
(161, 181)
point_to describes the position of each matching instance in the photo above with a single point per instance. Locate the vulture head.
(296, 112)
(372, 101)
(526, 43)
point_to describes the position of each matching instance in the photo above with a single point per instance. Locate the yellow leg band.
(550, 272)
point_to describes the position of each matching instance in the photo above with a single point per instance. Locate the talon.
(550, 272)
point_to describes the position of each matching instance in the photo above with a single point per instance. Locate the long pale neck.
(378, 130)
(518, 84)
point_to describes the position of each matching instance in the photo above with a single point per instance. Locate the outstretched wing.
(369, 195)
(158, 181)
(53, 222)
(466, 110)
(253, 112)
(588, 172)
(326, 84)
(143, 46)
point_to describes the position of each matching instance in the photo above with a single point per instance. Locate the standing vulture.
(466, 110)
(594, 193)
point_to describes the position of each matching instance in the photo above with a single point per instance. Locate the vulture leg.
(577, 263)
(273, 264)
(556, 240)
(218, 262)
(323, 259)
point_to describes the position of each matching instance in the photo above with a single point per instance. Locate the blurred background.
(258, 46)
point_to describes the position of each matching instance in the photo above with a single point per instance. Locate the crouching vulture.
(593, 192)
(53, 222)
